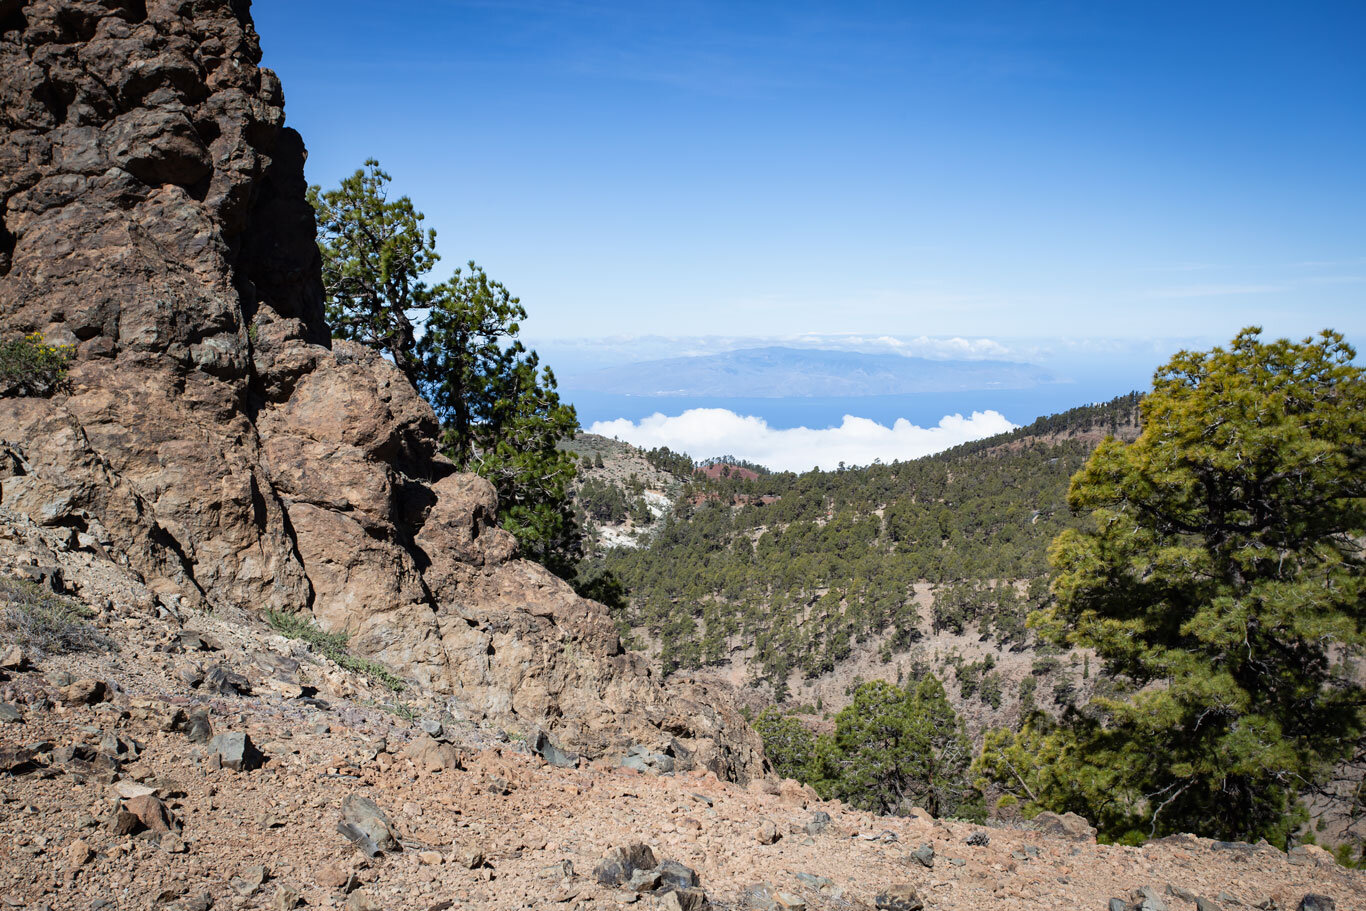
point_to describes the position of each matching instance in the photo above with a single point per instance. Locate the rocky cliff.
(213, 439)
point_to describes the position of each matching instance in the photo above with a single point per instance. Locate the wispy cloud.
(1214, 290)
(707, 432)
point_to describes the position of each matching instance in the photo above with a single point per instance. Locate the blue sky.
(1041, 169)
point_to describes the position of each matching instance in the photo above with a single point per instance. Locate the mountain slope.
(795, 585)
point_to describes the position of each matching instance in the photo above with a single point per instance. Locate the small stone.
(1204, 904)
(431, 858)
(767, 833)
(78, 854)
(127, 790)
(672, 873)
(224, 681)
(643, 881)
(924, 855)
(1147, 899)
(617, 865)
(818, 823)
(124, 823)
(172, 843)
(286, 899)
(367, 826)
(541, 745)
(431, 755)
(200, 902)
(359, 902)
(10, 714)
(1118, 904)
(151, 812)
(901, 897)
(236, 751)
(820, 883)
(1067, 826)
(332, 877)
(471, 858)
(198, 729)
(789, 902)
(252, 878)
(84, 692)
(979, 839)
(13, 658)
(683, 900)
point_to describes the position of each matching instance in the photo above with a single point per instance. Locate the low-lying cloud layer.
(708, 432)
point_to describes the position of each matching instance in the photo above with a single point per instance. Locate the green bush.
(788, 743)
(35, 618)
(330, 645)
(30, 367)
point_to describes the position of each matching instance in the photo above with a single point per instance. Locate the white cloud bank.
(708, 432)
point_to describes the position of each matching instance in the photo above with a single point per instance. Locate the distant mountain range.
(804, 372)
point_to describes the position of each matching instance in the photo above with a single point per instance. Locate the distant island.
(776, 372)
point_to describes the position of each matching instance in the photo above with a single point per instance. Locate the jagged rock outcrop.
(213, 438)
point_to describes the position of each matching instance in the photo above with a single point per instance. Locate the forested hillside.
(793, 573)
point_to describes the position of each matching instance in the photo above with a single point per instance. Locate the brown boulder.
(151, 812)
(1069, 826)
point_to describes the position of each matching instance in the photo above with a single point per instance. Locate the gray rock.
(432, 726)
(818, 823)
(1117, 904)
(643, 881)
(672, 873)
(924, 855)
(758, 897)
(541, 746)
(252, 879)
(10, 714)
(814, 881)
(194, 641)
(198, 729)
(1147, 899)
(367, 826)
(1204, 904)
(1315, 902)
(226, 682)
(234, 750)
(645, 760)
(617, 865)
(979, 839)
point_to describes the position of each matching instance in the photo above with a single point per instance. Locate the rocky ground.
(124, 784)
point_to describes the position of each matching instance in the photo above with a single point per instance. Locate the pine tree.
(1220, 583)
(500, 412)
(374, 254)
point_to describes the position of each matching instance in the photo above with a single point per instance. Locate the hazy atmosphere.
(1082, 187)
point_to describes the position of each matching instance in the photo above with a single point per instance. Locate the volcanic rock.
(212, 434)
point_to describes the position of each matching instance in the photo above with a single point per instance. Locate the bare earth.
(58, 848)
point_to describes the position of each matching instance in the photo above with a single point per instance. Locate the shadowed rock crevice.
(227, 449)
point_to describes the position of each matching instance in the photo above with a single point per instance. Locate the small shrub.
(35, 618)
(30, 367)
(332, 646)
